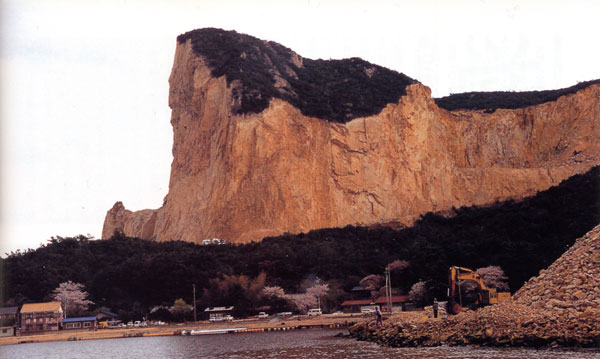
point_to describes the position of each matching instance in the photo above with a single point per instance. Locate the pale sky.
(84, 84)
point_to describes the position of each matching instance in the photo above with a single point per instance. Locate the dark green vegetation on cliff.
(334, 90)
(492, 101)
(129, 275)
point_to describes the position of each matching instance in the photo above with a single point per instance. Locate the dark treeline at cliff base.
(130, 275)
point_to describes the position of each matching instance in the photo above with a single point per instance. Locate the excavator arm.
(485, 295)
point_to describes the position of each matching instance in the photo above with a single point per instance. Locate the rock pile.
(560, 307)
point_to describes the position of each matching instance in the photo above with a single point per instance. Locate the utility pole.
(388, 290)
(194, 289)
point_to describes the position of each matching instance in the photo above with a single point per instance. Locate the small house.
(218, 313)
(105, 315)
(79, 323)
(398, 303)
(356, 305)
(40, 317)
(8, 321)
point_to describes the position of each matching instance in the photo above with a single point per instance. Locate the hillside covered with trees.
(491, 101)
(130, 276)
(332, 90)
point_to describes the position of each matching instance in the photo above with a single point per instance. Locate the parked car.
(228, 318)
(262, 315)
(367, 311)
(316, 311)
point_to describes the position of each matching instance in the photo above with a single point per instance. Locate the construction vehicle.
(485, 295)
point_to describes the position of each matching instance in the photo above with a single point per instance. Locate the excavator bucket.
(455, 308)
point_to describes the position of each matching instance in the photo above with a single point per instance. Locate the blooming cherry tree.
(72, 296)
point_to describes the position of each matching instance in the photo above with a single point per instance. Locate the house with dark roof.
(8, 321)
(105, 315)
(40, 317)
(79, 323)
(356, 305)
(398, 303)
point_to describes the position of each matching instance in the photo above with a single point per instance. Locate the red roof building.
(398, 301)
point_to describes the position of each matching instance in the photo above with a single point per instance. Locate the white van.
(315, 311)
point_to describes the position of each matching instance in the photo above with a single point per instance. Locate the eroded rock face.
(244, 177)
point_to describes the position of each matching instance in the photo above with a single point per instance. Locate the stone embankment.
(560, 307)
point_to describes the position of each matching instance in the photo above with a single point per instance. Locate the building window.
(87, 324)
(4, 331)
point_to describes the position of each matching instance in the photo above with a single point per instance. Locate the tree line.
(130, 276)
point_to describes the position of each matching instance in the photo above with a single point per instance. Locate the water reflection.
(313, 344)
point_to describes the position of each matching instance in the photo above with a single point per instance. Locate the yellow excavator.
(485, 295)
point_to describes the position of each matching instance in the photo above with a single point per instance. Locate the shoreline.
(416, 329)
(236, 326)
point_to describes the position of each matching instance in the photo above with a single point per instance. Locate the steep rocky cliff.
(290, 154)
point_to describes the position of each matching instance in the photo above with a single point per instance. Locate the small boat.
(215, 331)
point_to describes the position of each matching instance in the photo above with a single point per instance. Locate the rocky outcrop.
(560, 307)
(242, 176)
(119, 219)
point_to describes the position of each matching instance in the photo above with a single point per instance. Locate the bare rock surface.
(242, 177)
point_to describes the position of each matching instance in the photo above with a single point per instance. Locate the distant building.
(105, 315)
(356, 305)
(79, 323)
(398, 303)
(218, 313)
(8, 321)
(215, 241)
(40, 317)
(359, 292)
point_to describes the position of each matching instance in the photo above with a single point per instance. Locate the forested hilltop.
(332, 90)
(494, 100)
(129, 275)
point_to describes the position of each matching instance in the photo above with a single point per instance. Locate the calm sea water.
(312, 344)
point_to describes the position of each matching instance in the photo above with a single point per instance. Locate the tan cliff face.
(244, 177)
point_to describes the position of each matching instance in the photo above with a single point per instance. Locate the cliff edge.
(267, 142)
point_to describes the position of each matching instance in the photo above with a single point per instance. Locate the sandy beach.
(292, 323)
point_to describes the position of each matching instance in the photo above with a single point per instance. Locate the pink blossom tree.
(274, 291)
(372, 283)
(417, 292)
(398, 265)
(72, 296)
(303, 301)
(318, 291)
(494, 277)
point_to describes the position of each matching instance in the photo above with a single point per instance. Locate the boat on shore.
(215, 331)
